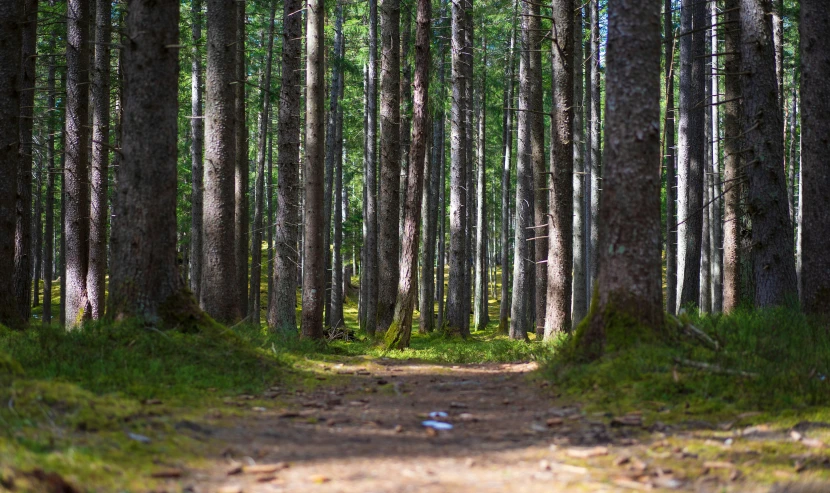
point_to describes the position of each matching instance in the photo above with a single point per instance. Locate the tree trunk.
(670, 164)
(282, 312)
(98, 215)
(49, 239)
(241, 159)
(541, 183)
(772, 239)
(791, 167)
(401, 328)
(442, 213)
(335, 312)
(469, 200)
(579, 304)
(629, 283)
(361, 304)
(429, 218)
(314, 258)
(559, 268)
(458, 177)
(480, 316)
(716, 223)
(370, 246)
(254, 297)
(595, 169)
(690, 150)
(406, 109)
(197, 144)
(507, 157)
(145, 280)
(76, 168)
(732, 168)
(219, 297)
(815, 93)
(776, 8)
(705, 295)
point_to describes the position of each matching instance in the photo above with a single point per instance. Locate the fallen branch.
(698, 334)
(713, 368)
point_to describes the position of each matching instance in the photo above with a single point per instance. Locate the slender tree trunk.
(219, 297)
(361, 307)
(776, 8)
(269, 196)
(815, 93)
(716, 223)
(76, 168)
(335, 313)
(314, 258)
(241, 159)
(670, 163)
(542, 182)
(705, 295)
(197, 144)
(480, 316)
(772, 239)
(596, 157)
(690, 150)
(49, 239)
(401, 328)
(507, 157)
(254, 297)
(406, 108)
(371, 267)
(37, 227)
(791, 155)
(733, 175)
(145, 277)
(442, 214)
(62, 248)
(579, 303)
(98, 214)
(469, 200)
(629, 283)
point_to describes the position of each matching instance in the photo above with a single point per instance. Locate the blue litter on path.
(438, 415)
(436, 425)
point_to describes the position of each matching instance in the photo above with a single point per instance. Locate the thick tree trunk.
(815, 94)
(10, 102)
(254, 297)
(98, 214)
(732, 168)
(197, 144)
(390, 161)
(406, 108)
(690, 150)
(595, 169)
(579, 303)
(559, 268)
(480, 316)
(629, 283)
(241, 160)
(507, 158)
(401, 328)
(669, 160)
(76, 168)
(145, 280)
(314, 257)
(456, 315)
(773, 252)
(716, 223)
(220, 283)
(370, 245)
(49, 238)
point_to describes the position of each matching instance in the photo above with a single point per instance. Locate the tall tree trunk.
(37, 227)
(560, 228)
(241, 159)
(197, 144)
(521, 309)
(541, 183)
(371, 267)
(11, 28)
(145, 278)
(507, 158)
(815, 94)
(716, 223)
(218, 293)
(732, 168)
(629, 283)
(442, 213)
(254, 297)
(282, 312)
(429, 218)
(51, 171)
(669, 160)
(76, 168)
(98, 214)
(458, 177)
(480, 316)
(690, 150)
(314, 258)
(705, 295)
(401, 328)
(595, 169)
(791, 167)
(776, 8)
(361, 305)
(772, 239)
(406, 108)
(579, 303)
(469, 200)
(335, 311)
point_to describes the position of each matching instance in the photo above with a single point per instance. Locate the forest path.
(362, 432)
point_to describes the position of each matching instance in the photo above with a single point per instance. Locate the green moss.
(9, 367)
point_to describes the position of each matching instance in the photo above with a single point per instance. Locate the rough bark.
(629, 284)
(145, 281)
(241, 159)
(705, 295)
(690, 150)
(314, 258)
(401, 328)
(716, 224)
(470, 198)
(98, 214)
(218, 293)
(732, 169)
(541, 182)
(361, 303)
(254, 297)
(791, 166)
(429, 218)
(334, 312)
(773, 255)
(49, 237)
(595, 170)
(670, 162)
(815, 94)
(442, 215)
(480, 316)
(406, 108)
(507, 161)
(76, 168)
(371, 243)
(579, 303)
(559, 268)
(197, 145)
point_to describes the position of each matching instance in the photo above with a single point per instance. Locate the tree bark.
(282, 312)
(579, 303)
(595, 169)
(220, 283)
(732, 168)
(442, 214)
(197, 145)
(791, 167)
(406, 108)
(815, 94)
(480, 316)
(98, 215)
(314, 258)
(334, 313)
(399, 332)
(470, 198)
(773, 252)
(241, 160)
(541, 183)
(507, 158)
(370, 267)
(145, 281)
(49, 238)
(629, 283)
(670, 162)
(716, 224)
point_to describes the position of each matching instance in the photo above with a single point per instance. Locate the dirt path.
(509, 435)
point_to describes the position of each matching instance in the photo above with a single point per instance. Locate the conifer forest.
(414, 245)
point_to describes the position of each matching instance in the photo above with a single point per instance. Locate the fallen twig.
(697, 334)
(714, 368)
